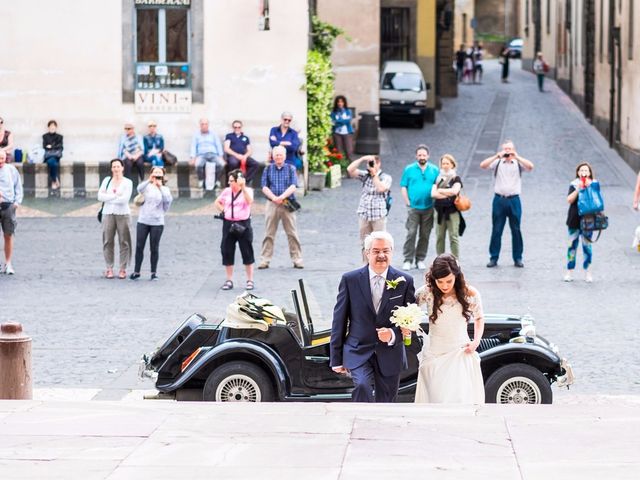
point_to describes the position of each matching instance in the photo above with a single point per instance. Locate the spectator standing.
(444, 191)
(279, 182)
(372, 208)
(52, 144)
(416, 184)
(153, 146)
(505, 54)
(131, 152)
(235, 202)
(157, 200)
(285, 136)
(10, 198)
(507, 168)
(478, 57)
(461, 55)
(6, 141)
(238, 148)
(540, 68)
(467, 74)
(341, 118)
(115, 192)
(206, 147)
(584, 178)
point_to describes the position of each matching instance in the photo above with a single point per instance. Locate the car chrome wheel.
(519, 390)
(238, 388)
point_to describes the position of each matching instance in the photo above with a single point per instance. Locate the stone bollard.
(15, 363)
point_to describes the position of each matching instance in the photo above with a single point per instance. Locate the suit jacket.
(354, 338)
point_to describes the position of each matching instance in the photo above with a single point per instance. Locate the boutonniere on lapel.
(392, 284)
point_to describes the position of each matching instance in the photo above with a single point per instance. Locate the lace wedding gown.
(447, 374)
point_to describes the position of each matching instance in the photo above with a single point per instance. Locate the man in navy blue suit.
(364, 343)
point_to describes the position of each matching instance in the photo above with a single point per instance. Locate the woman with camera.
(156, 198)
(235, 203)
(444, 192)
(584, 178)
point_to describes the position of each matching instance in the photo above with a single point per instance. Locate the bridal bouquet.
(408, 317)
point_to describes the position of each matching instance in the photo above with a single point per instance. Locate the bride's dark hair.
(442, 266)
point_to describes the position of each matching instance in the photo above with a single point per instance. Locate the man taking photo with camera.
(372, 209)
(507, 168)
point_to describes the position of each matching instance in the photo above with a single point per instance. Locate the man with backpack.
(375, 199)
(507, 168)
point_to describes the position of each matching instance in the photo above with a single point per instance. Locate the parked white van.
(403, 92)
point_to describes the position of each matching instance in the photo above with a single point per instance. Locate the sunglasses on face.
(286, 119)
(128, 128)
(152, 125)
(237, 126)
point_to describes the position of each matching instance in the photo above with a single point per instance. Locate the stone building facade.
(94, 65)
(593, 47)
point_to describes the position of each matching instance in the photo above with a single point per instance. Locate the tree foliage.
(320, 92)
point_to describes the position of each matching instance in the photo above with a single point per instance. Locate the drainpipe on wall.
(612, 71)
(619, 75)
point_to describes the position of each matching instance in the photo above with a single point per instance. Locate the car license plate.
(414, 111)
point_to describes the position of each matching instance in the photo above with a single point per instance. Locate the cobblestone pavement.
(89, 332)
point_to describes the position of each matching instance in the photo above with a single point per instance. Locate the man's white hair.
(279, 148)
(377, 235)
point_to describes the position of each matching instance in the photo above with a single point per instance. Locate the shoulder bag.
(590, 199)
(236, 229)
(102, 207)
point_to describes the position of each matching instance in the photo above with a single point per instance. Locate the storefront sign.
(165, 3)
(162, 101)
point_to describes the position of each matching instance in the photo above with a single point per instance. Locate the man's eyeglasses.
(286, 119)
(128, 128)
(237, 126)
(152, 125)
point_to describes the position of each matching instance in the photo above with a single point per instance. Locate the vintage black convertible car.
(260, 354)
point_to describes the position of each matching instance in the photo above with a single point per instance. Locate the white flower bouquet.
(408, 317)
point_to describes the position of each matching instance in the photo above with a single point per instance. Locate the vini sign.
(162, 101)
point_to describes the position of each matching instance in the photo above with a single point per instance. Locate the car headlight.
(385, 102)
(420, 103)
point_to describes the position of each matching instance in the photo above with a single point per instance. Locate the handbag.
(594, 222)
(169, 158)
(138, 200)
(102, 207)
(236, 229)
(291, 204)
(462, 202)
(54, 152)
(590, 199)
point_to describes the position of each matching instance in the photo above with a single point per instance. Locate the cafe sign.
(162, 101)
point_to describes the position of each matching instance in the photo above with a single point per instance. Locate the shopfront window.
(162, 44)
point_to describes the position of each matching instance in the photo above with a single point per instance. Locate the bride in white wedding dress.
(449, 364)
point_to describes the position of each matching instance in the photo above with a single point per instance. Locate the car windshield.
(402, 81)
(516, 43)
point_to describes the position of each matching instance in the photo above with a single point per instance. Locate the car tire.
(238, 382)
(518, 383)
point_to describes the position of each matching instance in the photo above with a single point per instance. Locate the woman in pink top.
(235, 203)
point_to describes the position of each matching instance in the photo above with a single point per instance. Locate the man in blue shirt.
(237, 146)
(206, 147)
(417, 181)
(279, 183)
(287, 137)
(154, 146)
(10, 197)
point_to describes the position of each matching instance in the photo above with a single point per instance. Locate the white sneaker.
(588, 277)
(421, 265)
(8, 269)
(568, 277)
(407, 266)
